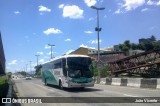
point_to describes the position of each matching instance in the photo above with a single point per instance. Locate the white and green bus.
(69, 71)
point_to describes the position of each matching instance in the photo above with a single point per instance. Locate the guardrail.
(133, 82)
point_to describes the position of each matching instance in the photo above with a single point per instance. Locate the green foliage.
(23, 73)
(125, 46)
(9, 74)
(148, 44)
(94, 69)
(104, 71)
(134, 46)
(38, 69)
(3, 86)
(157, 45)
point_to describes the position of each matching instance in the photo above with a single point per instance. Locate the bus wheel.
(46, 82)
(60, 85)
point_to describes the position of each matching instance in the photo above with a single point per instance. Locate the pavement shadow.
(75, 90)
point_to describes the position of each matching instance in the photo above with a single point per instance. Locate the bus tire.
(46, 82)
(60, 84)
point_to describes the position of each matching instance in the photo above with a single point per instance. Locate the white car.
(28, 77)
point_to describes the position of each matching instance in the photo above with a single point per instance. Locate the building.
(89, 51)
(2, 57)
(106, 54)
(134, 52)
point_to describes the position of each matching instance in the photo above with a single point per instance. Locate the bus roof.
(66, 56)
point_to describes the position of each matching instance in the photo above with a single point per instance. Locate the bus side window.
(64, 67)
(57, 64)
(52, 65)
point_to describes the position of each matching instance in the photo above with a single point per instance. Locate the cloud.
(69, 51)
(132, 4)
(82, 45)
(40, 53)
(67, 40)
(90, 2)
(158, 3)
(145, 9)
(88, 32)
(61, 5)
(94, 41)
(44, 9)
(118, 11)
(151, 2)
(47, 47)
(91, 19)
(41, 60)
(46, 57)
(52, 31)
(16, 12)
(13, 62)
(85, 46)
(128, 5)
(73, 12)
(49, 53)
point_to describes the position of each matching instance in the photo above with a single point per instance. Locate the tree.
(104, 71)
(38, 68)
(94, 69)
(152, 38)
(156, 45)
(125, 48)
(120, 46)
(134, 46)
(127, 44)
(22, 73)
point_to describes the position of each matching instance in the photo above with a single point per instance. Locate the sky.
(28, 26)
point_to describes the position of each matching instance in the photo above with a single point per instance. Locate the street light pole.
(26, 67)
(98, 29)
(30, 65)
(37, 59)
(51, 49)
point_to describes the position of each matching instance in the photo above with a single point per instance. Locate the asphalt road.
(36, 88)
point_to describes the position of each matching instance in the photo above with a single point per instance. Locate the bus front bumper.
(77, 85)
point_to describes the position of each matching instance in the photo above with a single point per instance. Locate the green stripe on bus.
(50, 77)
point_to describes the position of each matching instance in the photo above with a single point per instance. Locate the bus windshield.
(78, 67)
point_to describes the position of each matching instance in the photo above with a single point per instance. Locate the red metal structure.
(146, 63)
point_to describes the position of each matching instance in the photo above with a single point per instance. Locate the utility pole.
(98, 29)
(30, 65)
(26, 67)
(51, 49)
(37, 58)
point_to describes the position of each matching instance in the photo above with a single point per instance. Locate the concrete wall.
(116, 81)
(103, 81)
(132, 82)
(148, 83)
(135, 82)
(158, 83)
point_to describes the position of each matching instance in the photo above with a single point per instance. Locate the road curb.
(12, 92)
(152, 83)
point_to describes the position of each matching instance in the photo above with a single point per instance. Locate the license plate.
(82, 84)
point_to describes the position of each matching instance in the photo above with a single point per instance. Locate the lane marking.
(130, 95)
(44, 87)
